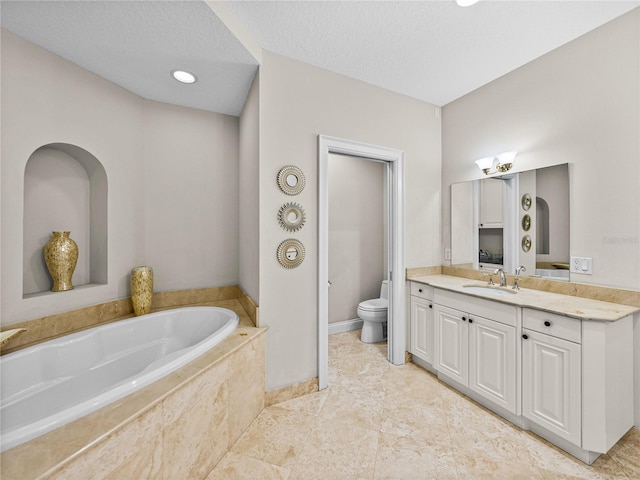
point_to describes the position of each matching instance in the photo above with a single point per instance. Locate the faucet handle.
(490, 275)
(521, 268)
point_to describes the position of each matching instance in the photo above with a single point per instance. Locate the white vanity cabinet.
(577, 380)
(421, 329)
(475, 346)
(552, 372)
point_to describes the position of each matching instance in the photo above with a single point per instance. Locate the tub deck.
(58, 449)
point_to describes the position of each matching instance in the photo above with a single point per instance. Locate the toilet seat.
(374, 305)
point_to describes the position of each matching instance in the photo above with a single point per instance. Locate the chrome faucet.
(503, 278)
(519, 269)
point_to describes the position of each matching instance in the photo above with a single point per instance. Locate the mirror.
(512, 220)
(291, 180)
(290, 253)
(291, 217)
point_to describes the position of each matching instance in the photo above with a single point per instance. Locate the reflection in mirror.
(292, 253)
(292, 180)
(491, 217)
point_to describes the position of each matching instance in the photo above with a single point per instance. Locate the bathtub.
(53, 383)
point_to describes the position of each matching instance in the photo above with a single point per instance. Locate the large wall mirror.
(512, 220)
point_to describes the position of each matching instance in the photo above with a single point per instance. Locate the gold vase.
(141, 289)
(61, 256)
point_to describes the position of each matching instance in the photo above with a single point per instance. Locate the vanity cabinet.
(421, 316)
(475, 345)
(551, 375)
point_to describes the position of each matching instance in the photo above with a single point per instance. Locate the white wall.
(578, 104)
(356, 233)
(248, 191)
(46, 99)
(298, 102)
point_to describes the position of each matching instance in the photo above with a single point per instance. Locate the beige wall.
(150, 152)
(578, 104)
(356, 233)
(298, 102)
(249, 189)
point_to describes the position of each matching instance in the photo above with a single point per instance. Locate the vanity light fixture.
(504, 163)
(466, 3)
(183, 76)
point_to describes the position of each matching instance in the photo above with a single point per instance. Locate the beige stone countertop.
(577, 307)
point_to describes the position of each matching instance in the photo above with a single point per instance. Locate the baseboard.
(345, 326)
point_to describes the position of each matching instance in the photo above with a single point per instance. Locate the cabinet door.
(491, 202)
(551, 384)
(451, 339)
(422, 329)
(492, 361)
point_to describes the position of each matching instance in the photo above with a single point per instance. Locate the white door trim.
(397, 325)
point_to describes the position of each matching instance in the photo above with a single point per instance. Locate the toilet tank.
(384, 289)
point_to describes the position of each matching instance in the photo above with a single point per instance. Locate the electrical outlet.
(447, 254)
(582, 265)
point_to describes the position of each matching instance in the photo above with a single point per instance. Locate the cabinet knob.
(525, 336)
(464, 319)
(430, 306)
(471, 320)
(547, 323)
(420, 290)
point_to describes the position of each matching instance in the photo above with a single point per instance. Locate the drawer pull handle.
(464, 319)
(420, 290)
(525, 336)
(471, 320)
(547, 323)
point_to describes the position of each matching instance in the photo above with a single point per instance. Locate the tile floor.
(379, 421)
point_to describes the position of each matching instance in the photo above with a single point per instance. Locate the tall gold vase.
(141, 289)
(61, 256)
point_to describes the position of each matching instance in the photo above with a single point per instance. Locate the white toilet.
(374, 316)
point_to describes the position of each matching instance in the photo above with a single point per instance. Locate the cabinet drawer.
(499, 312)
(553, 324)
(421, 290)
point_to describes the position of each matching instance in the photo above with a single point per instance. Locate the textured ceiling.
(431, 50)
(136, 44)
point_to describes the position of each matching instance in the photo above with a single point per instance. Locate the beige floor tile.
(277, 436)
(406, 458)
(241, 467)
(425, 429)
(338, 451)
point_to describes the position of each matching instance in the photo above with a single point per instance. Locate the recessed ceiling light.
(184, 76)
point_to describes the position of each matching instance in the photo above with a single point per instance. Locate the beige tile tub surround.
(290, 392)
(176, 428)
(52, 326)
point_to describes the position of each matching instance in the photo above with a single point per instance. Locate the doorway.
(394, 162)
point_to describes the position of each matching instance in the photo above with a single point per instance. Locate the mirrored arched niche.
(65, 189)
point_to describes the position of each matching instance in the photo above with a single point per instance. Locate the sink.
(489, 290)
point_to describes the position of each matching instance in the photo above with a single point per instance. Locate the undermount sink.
(489, 290)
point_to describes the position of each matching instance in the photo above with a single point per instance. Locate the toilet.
(374, 316)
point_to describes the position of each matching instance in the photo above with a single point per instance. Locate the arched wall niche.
(65, 188)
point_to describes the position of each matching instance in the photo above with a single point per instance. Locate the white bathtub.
(56, 382)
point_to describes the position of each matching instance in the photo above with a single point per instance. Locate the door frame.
(396, 333)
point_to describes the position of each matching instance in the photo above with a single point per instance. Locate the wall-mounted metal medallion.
(526, 243)
(526, 202)
(526, 222)
(291, 217)
(291, 180)
(290, 253)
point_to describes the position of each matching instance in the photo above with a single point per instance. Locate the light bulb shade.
(485, 163)
(506, 158)
(183, 76)
(466, 3)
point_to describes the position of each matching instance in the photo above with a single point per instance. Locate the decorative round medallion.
(291, 180)
(526, 202)
(526, 222)
(526, 243)
(290, 253)
(291, 216)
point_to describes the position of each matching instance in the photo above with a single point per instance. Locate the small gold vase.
(61, 256)
(141, 289)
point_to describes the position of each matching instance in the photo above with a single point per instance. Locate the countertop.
(576, 307)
